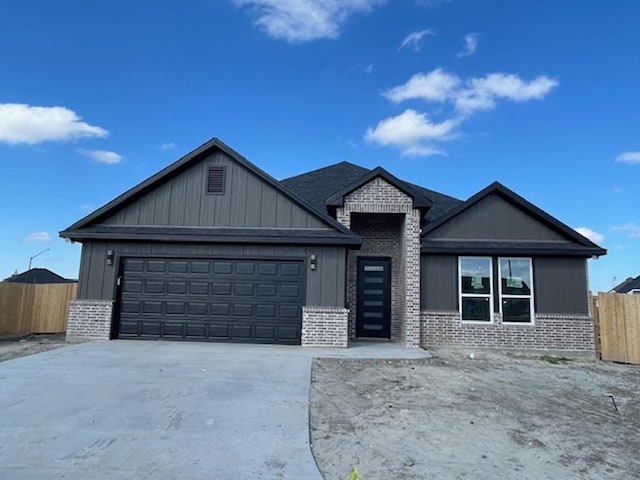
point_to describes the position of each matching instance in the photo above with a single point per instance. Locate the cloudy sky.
(451, 94)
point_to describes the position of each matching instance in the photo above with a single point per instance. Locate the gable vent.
(215, 181)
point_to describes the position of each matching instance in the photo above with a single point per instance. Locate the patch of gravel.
(14, 347)
(496, 415)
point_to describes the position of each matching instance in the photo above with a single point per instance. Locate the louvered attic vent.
(215, 181)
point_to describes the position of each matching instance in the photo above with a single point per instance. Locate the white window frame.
(476, 295)
(532, 320)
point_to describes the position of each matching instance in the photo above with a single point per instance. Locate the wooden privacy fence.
(32, 308)
(618, 325)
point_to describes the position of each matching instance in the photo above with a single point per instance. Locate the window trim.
(476, 295)
(532, 319)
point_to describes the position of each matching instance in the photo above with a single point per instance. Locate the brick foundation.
(325, 327)
(89, 320)
(550, 332)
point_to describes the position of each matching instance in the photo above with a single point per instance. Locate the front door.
(373, 317)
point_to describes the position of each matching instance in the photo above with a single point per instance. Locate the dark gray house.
(630, 285)
(39, 276)
(213, 248)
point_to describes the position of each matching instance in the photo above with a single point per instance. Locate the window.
(475, 285)
(516, 290)
(215, 180)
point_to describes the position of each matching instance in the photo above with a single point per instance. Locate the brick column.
(89, 320)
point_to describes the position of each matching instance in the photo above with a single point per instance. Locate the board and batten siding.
(325, 286)
(560, 284)
(439, 282)
(494, 218)
(247, 202)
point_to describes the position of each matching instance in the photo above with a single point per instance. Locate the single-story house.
(630, 285)
(213, 248)
(39, 276)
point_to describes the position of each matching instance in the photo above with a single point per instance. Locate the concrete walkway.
(163, 410)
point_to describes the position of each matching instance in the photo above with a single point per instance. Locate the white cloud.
(167, 146)
(470, 45)
(630, 229)
(465, 97)
(38, 237)
(436, 86)
(412, 132)
(631, 158)
(590, 234)
(369, 69)
(101, 156)
(472, 95)
(21, 123)
(415, 40)
(482, 93)
(299, 21)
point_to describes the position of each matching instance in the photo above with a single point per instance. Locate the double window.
(514, 289)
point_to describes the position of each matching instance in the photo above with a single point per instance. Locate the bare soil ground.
(14, 347)
(493, 416)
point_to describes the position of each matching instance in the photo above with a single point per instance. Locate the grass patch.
(555, 360)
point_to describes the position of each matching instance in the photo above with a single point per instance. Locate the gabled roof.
(420, 200)
(39, 276)
(583, 245)
(628, 285)
(184, 163)
(317, 185)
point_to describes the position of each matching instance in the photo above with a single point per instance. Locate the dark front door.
(373, 317)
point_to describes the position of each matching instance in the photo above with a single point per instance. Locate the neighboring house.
(213, 248)
(630, 285)
(37, 275)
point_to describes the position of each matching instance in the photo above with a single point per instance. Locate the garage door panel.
(245, 268)
(177, 287)
(222, 288)
(154, 287)
(197, 309)
(242, 332)
(132, 286)
(196, 330)
(212, 299)
(267, 290)
(242, 310)
(153, 308)
(173, 330)
(156, 266)
(268, 311)
(221, 309)
(199, 288)
(150, 328)
(290, 291)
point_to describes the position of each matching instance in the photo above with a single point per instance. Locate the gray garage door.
(257, 301)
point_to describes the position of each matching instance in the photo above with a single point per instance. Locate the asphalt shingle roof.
(318, 185)
(628, 285)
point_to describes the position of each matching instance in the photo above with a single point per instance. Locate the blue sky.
(539, 95)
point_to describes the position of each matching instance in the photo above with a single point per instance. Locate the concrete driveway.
(156, 410)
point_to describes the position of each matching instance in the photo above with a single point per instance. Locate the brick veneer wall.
(325, 327)
(380, 197)
(550, 332)
(89, 320)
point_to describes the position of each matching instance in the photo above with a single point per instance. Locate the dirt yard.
(14, 347)
(493, 416)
